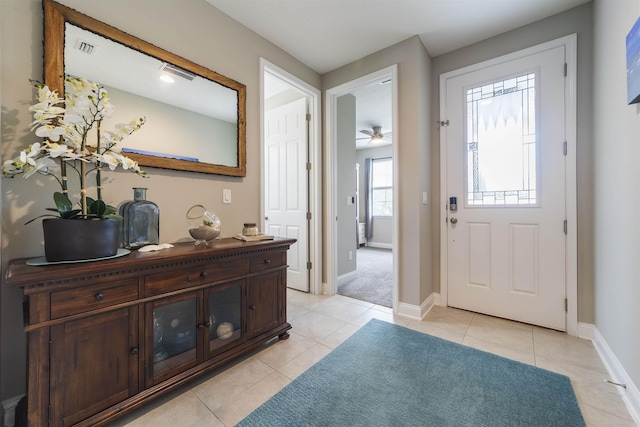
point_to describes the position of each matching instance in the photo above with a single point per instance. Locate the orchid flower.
(66, 124)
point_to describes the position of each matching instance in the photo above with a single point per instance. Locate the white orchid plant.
(75, 143)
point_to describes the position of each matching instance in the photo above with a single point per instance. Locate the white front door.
(286, 185)
(506, 170)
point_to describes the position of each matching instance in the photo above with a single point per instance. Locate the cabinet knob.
(203, 275)
(99, 296)
(267, 261)
(253, 307)
(203, 325)
(134, 350)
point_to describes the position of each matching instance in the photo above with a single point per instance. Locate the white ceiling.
(327, 34)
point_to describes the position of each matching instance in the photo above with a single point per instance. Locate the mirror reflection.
(195, 117)
(182, 108)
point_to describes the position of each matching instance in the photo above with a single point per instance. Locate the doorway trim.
(570, 44)
(313, 97)
(331, 111)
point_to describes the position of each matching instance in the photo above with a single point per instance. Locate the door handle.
(454, 220)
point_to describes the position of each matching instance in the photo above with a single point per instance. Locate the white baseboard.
(9, 410)
(346, 277)
(415, 311)
(585, 331)
(380, 245)
(630, 394)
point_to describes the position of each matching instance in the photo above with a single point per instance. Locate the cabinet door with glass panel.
(223, 311)
(187, 329)
(172, 335)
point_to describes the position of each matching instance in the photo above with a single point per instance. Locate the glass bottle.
(141, 221)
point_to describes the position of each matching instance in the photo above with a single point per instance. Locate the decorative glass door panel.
(225, 316)
(174, 340)
(501, 143)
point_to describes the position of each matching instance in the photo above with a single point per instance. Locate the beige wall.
(577, 20)
(192, 29)
(616, 127)
(413, 162)
(346, 175)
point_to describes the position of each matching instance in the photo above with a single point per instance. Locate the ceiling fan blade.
(367, 132)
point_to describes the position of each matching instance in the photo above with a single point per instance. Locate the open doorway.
(292, 151)
(361, 136)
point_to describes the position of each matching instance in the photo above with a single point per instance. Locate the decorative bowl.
(204, 226)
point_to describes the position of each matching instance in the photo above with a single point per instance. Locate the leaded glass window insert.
(501, 143)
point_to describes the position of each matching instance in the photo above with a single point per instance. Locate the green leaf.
(63, 204)
(96, 208)
(110, 211)
(41, 216)
(71, 214)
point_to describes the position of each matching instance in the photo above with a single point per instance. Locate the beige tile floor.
(321, 323)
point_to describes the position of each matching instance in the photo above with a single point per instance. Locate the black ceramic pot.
(80, 239)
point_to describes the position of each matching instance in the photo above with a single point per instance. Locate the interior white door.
(286, 192)
(506, 169)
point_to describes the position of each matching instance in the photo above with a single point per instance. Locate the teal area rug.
(388, 375)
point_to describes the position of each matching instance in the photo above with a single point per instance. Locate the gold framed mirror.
(207, 136)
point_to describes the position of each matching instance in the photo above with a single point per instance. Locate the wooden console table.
(105, 337)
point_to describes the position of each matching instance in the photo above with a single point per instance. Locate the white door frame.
(313, 96)
(331, 110)
(570, 44)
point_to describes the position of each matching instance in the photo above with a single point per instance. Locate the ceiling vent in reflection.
(85, 47)
(176, 71)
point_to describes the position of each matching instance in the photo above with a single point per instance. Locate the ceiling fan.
(376, 135)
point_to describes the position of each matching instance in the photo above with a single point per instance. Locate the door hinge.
(566, 227)
(565, 69)
(566, 305)
(308, 117)
(308, 265)
(308, 215)
(308, 166)
(564, 148)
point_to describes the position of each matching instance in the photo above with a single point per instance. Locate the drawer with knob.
(223, 269)
(226, 268)
(267, 260)
(79, 300)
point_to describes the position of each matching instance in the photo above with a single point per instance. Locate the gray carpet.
(374, 280)
(388, 375)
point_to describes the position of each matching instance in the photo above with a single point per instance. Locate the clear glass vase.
(141, 221)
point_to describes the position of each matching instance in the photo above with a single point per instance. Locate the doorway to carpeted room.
(373, 281)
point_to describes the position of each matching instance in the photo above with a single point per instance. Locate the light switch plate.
(226, 195)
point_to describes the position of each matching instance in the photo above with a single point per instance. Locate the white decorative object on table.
(154, 248)
(225, 330)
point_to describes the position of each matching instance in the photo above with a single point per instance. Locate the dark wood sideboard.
(105, 337)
